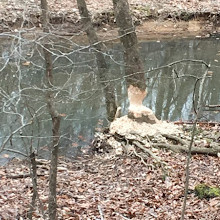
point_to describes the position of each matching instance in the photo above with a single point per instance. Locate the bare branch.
(14, 132)
(100, 212)
(191, 143)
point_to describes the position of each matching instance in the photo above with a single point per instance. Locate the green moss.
(204, 191)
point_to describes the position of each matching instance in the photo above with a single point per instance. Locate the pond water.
(78, 94)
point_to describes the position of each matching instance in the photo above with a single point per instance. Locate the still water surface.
(79, 97)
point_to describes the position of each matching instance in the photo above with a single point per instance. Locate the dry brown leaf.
(27, 63)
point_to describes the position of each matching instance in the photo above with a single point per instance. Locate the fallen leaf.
(27, 63)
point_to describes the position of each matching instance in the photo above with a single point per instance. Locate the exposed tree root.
(143, 147)
(177, 139)
(148, 151)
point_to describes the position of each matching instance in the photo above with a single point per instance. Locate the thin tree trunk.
(33, 172)
(101, 62)
(35, 196)
(54, 116)
(187, 170)
(134, 68)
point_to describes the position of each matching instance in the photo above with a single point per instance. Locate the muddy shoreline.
(149, 30)
(154, 20)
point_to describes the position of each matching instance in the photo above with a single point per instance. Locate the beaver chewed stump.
(137, 133)
(136, 110)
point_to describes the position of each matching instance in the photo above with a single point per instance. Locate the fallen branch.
(212, 123)
(183, 149)
(177, 139)
(212, 106)
(24, 175)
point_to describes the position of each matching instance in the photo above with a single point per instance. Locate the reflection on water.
(79, 96)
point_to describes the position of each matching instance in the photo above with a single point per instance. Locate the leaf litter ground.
(118, 187)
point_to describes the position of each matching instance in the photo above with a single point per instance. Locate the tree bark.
(33, 172)
(134, 68)
(101, 62)
(54, 116)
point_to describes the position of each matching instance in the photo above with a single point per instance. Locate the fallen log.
(184, 149)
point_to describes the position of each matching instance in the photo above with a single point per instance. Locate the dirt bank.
(154, 19)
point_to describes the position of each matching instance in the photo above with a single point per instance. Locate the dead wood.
(23, 175)
(210, 123)
(175, 138)
(128, 143)
(184, 149)
(212, 106)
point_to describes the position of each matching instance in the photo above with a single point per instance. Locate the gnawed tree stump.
(126, 126)
(137, 110)
(128, 136)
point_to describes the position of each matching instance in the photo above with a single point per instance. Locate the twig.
(123, 216)
(142, 159)
(187, 168)
(162, 164)
(191, 143)
(12, 133)
(100, 212)
(15, 151)
(194, 96)
(24, 175)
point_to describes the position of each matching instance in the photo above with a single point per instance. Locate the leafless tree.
(54, 116)
(134, 67)
(103, 69)
(198, 112)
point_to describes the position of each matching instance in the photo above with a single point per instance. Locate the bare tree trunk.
(54, 116)
(35, 196)
(134, 68)
(187, 170)
(101, 62)
(33, 172)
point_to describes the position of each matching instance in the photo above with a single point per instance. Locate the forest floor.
(109, 186)
(155, 19)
